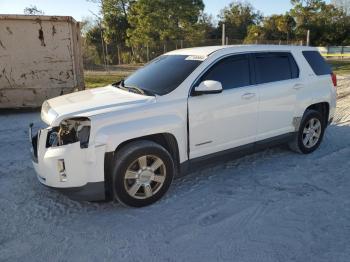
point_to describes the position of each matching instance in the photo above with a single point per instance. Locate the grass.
(96, 77)
(99, 79)
(340, 67)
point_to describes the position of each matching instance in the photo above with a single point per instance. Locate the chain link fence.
(105, 57)
(109, 57)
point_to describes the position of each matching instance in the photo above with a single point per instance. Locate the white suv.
(128, 140)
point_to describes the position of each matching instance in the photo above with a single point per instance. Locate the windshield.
(163, 74)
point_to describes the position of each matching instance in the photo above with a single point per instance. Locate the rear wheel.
(310, 134)
(143, 173)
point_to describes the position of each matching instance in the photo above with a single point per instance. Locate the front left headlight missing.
(71, 131)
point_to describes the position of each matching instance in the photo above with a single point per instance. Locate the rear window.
(272, 67)
(317, 63)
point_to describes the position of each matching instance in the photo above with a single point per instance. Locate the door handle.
(298, 86)
(248, 96)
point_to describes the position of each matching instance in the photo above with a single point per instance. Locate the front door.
(222, 121)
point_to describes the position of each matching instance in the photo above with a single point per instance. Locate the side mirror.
(208, 87)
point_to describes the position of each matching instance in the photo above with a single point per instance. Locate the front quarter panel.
(161, 117)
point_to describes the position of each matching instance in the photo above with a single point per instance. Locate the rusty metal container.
(40, 58)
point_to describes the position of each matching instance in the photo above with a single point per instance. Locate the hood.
(91, 102)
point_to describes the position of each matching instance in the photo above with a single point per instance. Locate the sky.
(80, 8)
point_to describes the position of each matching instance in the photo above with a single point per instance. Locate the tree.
(275, 27)
(33, 10)
(112, 23)
(93, 39)
(327, 23)
(115, 20)
(154, 21)
(238, 18)
(208, 29)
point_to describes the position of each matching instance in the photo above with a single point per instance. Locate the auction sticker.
(196, 57)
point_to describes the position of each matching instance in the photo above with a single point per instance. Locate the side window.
(317, 63)
(231, 72)
(271, 67)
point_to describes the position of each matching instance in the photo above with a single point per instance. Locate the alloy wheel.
(311, 133)
(145, 177)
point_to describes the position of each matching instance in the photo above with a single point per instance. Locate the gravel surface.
(273, 205)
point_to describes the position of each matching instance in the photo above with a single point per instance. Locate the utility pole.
(308, 38)
(147, 53)
(223, 34)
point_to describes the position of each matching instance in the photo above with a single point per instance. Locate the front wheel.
(310, 134)
(143, 173)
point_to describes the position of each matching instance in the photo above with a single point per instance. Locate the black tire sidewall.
(123, 162)
(309, 115)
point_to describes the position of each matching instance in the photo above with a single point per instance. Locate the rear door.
(277, 78)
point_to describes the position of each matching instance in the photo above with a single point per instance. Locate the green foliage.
(238, 18)
(92, 45)
(275, 27)
(154, 21)
(327, 24)
(115, 20)
(139, 30)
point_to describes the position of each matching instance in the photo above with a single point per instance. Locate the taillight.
(334, 79)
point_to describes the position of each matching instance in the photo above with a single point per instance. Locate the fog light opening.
(62, 170)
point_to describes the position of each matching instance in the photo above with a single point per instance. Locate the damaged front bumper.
(75, 171)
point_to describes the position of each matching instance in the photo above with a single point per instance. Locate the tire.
(142, 174)
(298, 143)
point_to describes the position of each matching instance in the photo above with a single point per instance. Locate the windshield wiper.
(133, 89)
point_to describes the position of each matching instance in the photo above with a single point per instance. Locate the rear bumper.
(83, 175)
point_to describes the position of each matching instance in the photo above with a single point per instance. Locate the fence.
(335, 51)
(107, 57)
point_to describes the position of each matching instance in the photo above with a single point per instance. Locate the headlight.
(74, 130)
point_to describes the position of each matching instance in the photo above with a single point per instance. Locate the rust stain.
(41, 37)
(9, 30)
(3, 97)
(41, 33)
(2, 45)
(54, 31)
(59, 81)
(6, 77)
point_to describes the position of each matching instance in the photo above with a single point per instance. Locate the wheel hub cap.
(145, 177)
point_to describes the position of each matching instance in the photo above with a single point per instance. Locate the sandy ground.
(270, 206)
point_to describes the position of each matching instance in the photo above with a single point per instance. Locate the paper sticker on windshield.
(196, 58)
